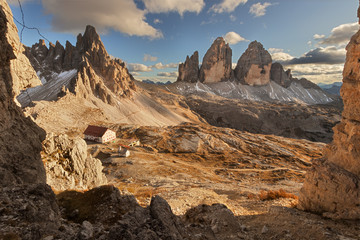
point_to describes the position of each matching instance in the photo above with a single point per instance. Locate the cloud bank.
(123, 16)
(340, 35)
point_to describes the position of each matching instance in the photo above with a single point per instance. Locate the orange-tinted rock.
(253, 67)
(332, 186)
(217, 64)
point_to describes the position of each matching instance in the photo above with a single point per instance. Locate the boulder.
(253, 67)
(68, 164)
(332, 186)
(189, 71)
(217, 64)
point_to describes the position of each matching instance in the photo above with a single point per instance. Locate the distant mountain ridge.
(255, 77)
(333, 88)
(70, 68)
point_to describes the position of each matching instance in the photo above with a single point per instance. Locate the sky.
(154, 36)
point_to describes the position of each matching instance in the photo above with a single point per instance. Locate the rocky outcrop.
(20, 138)
(189, 71)
(28, 206)
(68, 164)
(98, 74)
(22, 72)
(278, 75)
(253, 67)
(332, 186)
(217, 64)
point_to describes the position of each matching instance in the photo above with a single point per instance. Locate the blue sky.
(153, 36)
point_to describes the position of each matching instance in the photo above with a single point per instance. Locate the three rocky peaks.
(254, 67)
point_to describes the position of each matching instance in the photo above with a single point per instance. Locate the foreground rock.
(253, 67)
(68, 164)
(332, 185)
(28, 207)
(217, 64)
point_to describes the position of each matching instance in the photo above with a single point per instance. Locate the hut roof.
(95, 131)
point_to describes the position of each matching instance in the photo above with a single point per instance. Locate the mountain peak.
(253, 67)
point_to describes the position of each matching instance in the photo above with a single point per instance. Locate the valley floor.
(242, 179)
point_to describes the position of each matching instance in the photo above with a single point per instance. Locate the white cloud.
(179, 6)
(149, 58)
(123, 16)
(318, 73)
(233, 38)
(318, 36)
(259, 9)
(162, 66)
(341, 35)
(227, 6)
(157, 21)
(278, 55)
(232, 18)
(168, 74)
(138, 67)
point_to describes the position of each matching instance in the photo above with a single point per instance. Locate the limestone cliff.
(22, 72)
(189, 71)
(332, 186)
(28, 206)
(217, 64)
(253, 67)
(20, 138)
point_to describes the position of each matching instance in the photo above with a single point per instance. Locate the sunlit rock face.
(216, 65)
(253, 67)
(332, 186)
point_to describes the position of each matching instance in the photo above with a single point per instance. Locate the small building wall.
(93, 138)
(108, 136)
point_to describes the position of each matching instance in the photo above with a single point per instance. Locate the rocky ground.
(196, 167)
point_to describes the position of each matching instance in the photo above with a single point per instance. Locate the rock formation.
(217, 64)
(22, 72)
(189, 71)
(253, 67)
(28, 205)
(278, 75)
(332, 186)
(20, 138)
(68, 164)
(98, 74)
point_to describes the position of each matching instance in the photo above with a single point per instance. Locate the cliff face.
(28, 205)
(332, 186)
(253, 67)
(189, 71)
(22, 73)
(217, 64)
(20, 138)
